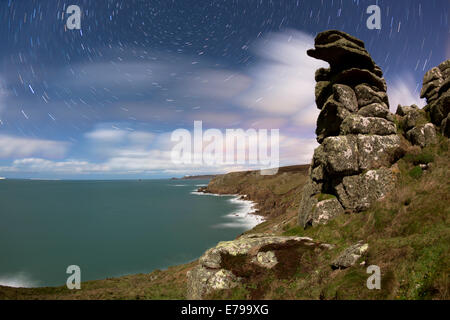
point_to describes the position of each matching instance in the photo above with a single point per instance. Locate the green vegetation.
(160, 284)
(415, 172)
(423, 157)
(408, 233)
(325, 196)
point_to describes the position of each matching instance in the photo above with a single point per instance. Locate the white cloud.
(14, 147)
(283, 82)
(405, 91)
(307, 118)
(295, 150)
(217, 84)
(106, 135)
(134, 159)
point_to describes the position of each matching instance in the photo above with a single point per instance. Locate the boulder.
(436, 89)
(379, 110)
(345, 96)
(354, 76)
(308, 202)
(326, 210)
(445, 126)
(266, 259)
(322, 92)
(404, 110)
(439, 109)
(376, 151)
(318, 173)
(351, 154)
(329, 36)
(445, 86)
(341, 51)
(431, 88)
(431, 75)
(358, 192)
(255, 253)
(366, 95)
(341, 155)
(202, 281)
(322, 74)
(414, 117)
(350, 255)
(330, 119)
(356, 124)
(422, 135)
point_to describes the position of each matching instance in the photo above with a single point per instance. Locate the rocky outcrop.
(436, 90)
(350, 255)
(356, 130)
(420, 126)
(416, 126)
(233, 263)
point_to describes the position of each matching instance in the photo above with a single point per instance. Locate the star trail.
(101, 101)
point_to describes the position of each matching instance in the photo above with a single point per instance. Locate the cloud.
(217, 84)
(307, 117)
(106, 135)
(405, 91)
(277, 92)
(14, 147)
(295, 150)
(283, 81)
(157, 159)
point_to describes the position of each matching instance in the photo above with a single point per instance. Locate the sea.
(109, 228)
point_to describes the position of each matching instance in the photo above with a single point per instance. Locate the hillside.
(171, 283)
(408, 236)
(408, 233)
(375, 194)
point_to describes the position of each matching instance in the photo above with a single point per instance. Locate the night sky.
(101, 102)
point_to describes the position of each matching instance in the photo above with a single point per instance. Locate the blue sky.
(102, 102)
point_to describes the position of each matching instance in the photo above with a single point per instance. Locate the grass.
(167, 284)
(415, 172)
(325, 196)
(408, 233)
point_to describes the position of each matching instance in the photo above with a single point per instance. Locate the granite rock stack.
(357, 134)
(436, 90)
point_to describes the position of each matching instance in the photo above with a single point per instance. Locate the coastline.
(246, 215)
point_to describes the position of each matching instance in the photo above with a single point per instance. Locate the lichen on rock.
(350, 255)
(252, 253)
(356, 130)
(436, 90)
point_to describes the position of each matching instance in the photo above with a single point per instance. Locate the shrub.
(423, 157)
(416, 172)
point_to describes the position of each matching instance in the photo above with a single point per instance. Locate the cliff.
(376, 193)
(361, 203)
(275, 195)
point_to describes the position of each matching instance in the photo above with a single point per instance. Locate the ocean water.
(108, 228)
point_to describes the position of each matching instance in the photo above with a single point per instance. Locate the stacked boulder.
(436, 90)
(416, 125)
(358, 137)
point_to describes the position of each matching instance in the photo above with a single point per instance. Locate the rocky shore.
(358, 163)
(375, 194)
